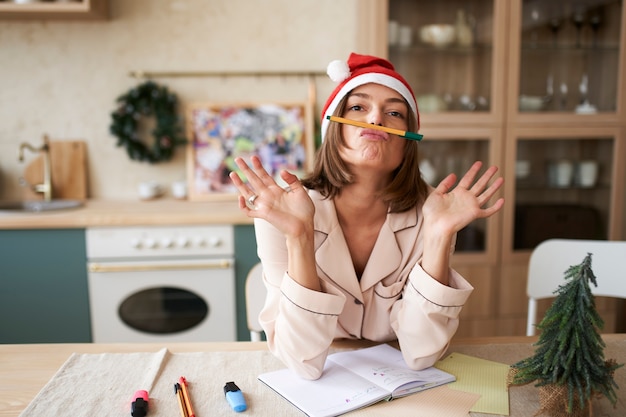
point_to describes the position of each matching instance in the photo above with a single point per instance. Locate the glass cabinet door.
(445, 49)
(564, 185)
(569, 56)
(563, 189)
(442, 156)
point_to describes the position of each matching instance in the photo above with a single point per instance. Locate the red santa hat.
(359, 70)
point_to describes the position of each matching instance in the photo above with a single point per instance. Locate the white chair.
(255, 299)
(551, 258)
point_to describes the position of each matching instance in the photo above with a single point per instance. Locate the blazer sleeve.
(427, 316)
(299, 323)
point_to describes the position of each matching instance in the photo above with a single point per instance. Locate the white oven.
(161, 284)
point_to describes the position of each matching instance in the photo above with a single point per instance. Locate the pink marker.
(139, 406)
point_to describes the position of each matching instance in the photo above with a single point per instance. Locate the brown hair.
(330, 172)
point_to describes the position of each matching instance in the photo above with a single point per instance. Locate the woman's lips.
(375, 134)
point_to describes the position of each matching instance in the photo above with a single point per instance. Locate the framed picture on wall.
(281, 134)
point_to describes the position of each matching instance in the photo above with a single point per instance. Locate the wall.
(62, 78)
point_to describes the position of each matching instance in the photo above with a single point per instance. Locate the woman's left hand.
(449, 209)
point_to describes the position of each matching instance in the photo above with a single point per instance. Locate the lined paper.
(479, 376)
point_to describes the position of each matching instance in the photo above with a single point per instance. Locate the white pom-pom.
(338, 70)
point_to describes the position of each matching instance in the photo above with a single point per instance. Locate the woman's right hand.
(290, 210)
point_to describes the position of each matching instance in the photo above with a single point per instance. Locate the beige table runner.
(103, 384)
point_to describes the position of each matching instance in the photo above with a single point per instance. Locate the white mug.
(587, 173)
(149, 189)
(405, 35)
(179, 190)
(561, 173)
(392, 36)
(522, 168)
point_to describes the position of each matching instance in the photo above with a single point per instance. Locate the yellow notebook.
(479, 376)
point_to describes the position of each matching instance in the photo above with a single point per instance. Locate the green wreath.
(146, 100)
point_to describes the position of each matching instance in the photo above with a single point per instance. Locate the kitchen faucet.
(46, 186)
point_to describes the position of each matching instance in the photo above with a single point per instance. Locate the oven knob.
(214, 242)
(151, 243)
(183, 242)
(167, 242)
(200, 241)
(135, 243)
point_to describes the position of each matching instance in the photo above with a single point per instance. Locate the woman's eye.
(356, 107)
(396, 114)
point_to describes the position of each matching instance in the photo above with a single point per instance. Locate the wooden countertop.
(25, 369)
(128, 213)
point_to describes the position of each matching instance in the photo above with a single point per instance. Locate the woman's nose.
(375, 117)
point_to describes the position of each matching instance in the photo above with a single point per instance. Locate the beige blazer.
(395, 298)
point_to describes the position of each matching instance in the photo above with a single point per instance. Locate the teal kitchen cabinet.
(43, 286)
(245, 258)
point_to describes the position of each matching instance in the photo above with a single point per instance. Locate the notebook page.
(336, 392)
(385, 366)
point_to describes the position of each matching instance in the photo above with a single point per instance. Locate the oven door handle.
(158, 266)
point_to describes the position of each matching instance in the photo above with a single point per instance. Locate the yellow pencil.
(183, 383)
(403, 133)
(181, 402)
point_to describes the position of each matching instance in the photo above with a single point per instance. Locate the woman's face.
(368, 148)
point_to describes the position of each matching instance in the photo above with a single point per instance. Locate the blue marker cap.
(235, 397)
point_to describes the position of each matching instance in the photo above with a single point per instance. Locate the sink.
(39, 205)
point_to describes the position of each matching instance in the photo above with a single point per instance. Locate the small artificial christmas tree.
(569, 364)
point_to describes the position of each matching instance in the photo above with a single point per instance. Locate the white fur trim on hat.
(338, 70)
(370, 77)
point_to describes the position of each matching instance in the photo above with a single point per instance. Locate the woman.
(361, 247)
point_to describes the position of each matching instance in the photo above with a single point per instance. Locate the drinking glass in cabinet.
(569, 57)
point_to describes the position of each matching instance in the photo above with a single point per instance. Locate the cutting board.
(68, 162)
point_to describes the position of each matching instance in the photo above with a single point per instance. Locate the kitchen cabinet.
(535, 87)
(43, 286)
(245, 258)
(65, 10)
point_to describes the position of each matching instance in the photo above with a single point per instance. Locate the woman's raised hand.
(450, 209)
(289, 210)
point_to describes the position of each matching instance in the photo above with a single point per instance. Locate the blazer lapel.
(332, 254)
(387, 254)
(384, 260)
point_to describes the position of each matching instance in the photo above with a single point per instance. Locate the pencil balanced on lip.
(403, 133)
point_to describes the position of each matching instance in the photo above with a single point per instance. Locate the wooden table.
(25, 369)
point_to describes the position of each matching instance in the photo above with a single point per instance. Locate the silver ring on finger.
(251, 201)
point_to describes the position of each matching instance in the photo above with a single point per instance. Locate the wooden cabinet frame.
(500, 271)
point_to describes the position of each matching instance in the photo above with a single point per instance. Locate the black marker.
(139, 407)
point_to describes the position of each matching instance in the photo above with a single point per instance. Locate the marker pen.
(139, 406)
(235, 397)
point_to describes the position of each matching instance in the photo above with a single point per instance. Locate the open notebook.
(354, 379)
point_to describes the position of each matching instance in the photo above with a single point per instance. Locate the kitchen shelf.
(570, 48)
(467, 50)
(78, 10)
